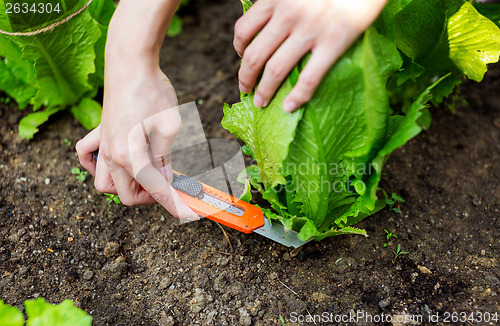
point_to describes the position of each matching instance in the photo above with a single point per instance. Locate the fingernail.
(290, 106)
(258, 101)
(243, 89)
(189, 219)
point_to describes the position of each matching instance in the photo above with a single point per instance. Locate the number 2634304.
(33, 8)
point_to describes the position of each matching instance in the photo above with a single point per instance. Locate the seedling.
(399, 252)
(393, 201)
(110, 198)
(80, 175)
(388, 237)
(67, 142)
(282, 321)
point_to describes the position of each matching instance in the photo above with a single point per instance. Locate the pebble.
(483, 252)
(245, 319)
(384, 303)
(47, 181)
(424, 270)
(165, 283)
(198, 301)
(273, 276)
(115, 268)
(110, 249)
(166, 321)
(88, 275)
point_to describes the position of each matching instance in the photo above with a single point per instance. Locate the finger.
(86, 147)
(257, 54)
(103, 181)
(250, 24)
(158, 187)
(310, 77)
(151, 179)
(162, 129)
(129, 191)
(279, 66)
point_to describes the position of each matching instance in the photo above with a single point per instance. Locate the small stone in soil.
(88, 275)
(110, 249)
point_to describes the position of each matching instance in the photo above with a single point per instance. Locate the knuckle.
(127, 200)
(78, 146)
(251, 60)
(309, 82)
(239, 30)
(161, 197)
(275, 71)
(119, 154)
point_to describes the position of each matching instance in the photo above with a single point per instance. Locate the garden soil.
(60, 238)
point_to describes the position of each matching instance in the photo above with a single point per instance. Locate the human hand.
(276, 34)
(139, 123)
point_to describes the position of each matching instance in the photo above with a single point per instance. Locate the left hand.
(276, 34)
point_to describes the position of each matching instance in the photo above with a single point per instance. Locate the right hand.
(140, 121)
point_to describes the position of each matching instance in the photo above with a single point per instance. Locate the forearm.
(138, 28)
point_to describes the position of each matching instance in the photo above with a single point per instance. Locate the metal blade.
(222, 205)
(276, 232)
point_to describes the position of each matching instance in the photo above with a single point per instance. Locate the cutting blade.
(277, 232)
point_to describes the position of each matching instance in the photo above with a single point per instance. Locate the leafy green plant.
(398, 252)
(319, 167)
(40, 312)
(110, 198)
(388, 237)
(57, 70)
(80, 175)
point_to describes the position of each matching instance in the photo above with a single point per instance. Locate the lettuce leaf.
(41, 313)
(57, 69)
(10, 316)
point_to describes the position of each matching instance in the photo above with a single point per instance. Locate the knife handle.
(190, 189)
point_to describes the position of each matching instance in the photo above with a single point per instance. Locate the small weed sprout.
(80, 175)
(399, 252)
(282, 321)
(110, 198)
(67, 142)
(393, 201)
(388, 237)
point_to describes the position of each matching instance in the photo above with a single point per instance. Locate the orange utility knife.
(217, 205)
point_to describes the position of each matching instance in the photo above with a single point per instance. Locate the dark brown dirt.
(138, 266)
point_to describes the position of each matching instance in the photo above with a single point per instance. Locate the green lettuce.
(320, 167)
(41, 313)
(57, 70)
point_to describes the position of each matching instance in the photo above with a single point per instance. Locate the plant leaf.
(28, 126)
(88, 113)
(10, 316)
(16, 74)
(267, 131)
(41, 313)
(63, 60)
(345, 120)
(457, 37)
